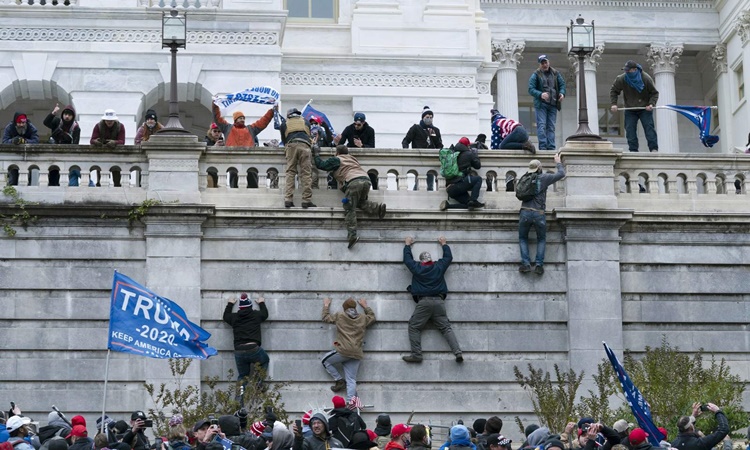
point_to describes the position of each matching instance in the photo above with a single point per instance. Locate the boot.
(339, 386)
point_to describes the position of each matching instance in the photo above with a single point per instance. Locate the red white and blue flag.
(701, 117)
(309, 112)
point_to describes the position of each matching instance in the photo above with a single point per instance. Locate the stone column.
(664, 61)
(742, 25)
(508, 54)
(723, 97)
(173, 167)
(590, 62)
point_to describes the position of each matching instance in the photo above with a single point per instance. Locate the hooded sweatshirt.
(326, 442)
(64, 132)
(283, 439)
(245, 324)
(30, 134)
(350, 331)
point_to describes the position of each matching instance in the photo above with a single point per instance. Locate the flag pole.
(104, 399)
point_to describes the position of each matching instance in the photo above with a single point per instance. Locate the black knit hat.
(426, 110)
(151, 114)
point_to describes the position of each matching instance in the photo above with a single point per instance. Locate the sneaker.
(353, 241)
(529, 147)
(381, 211)
(443, 205)
(459, 358)
(288, 204)
(656, 150)
(308, 205)
(412, 359)
(524, 268)
(339, 386)
(475, 204)
(539, 270)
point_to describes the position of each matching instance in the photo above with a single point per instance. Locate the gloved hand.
(96, 142)
(18, 140)
(110, 143)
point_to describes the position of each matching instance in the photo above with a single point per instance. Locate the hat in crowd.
(630, 65)
(494, 425)
(478, 425)
(314, 119)
(136, 416)
(52, 416)
(78, 420)
(542, 58)
(620, 426)
(534, 166)
(257, 428)
(459, 432)
(637, 436)
(361, 441)
(494, 112)
(349, 303)
(481, 137)
(359, 117)
(338, 401)
(175, 420)
(107, 421)
(664, 433)
(584, 420)
(293, 112)
(530, 429)
(244, 301)
(306, 417)
(200, 424)
(236, 115)
(399, 429)
(498, 439)
(21, 118)
(110, 114)
(121, 427)
(465, 141)
(77, 431)
(372, 435)
(554, 443)
(685, 423)
(214, 126)
(16, 422)
(58, 444)
(426, 110)
(150, 114)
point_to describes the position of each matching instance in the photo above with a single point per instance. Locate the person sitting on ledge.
(465, 187)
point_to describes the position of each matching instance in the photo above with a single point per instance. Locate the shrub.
(553, 402)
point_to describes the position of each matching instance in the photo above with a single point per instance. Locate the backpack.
(528, 186)
(449, 163)
(347, 425)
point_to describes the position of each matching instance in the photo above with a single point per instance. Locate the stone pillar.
(664, 61)
(723, 97)
(590, 62)
(508, 54)
(742, 26)
(173, 167)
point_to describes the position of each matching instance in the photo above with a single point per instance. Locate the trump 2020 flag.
(258, 94)
(701, 117)
(309, 111)
(638, 404)
(144, 323)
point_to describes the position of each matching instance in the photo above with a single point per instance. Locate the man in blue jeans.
(547, 87)
(464, 188)
(640, 95)
(245, 325)
(532, 214)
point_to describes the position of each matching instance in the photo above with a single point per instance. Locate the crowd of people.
(342, 427)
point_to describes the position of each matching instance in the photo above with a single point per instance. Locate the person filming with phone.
(689, 439)
(136, 437)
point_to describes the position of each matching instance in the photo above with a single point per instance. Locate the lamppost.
(581, 42)
(174, 36)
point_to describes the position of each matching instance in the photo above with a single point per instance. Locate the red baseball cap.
(637, 436)
(78, 431)
(399, 429)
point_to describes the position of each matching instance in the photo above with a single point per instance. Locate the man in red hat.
(399, 437)
(20, 131)
(464, 188)
(79, 438)
(245, 325)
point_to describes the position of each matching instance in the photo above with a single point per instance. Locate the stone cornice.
(135, 35)
(619, 4)
(376, 80)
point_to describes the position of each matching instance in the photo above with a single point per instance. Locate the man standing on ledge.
(428, 288)
(298, 142)
(547, 87)
(640, 94)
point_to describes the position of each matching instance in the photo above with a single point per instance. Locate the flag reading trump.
(145, 323)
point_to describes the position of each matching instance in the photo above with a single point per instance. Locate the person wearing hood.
(65, 129)
(20, 131)
(283, 439)
(509, 134)
(459, 439)
(429, 289)
(149, 127)
(245, 325)
(638, 92)
(344, 422)
(350, 338)
(424, 135)
(382, 430)
(399, 437)
(56, 426)
(361, 441)
(321, 438)
(109, 131)
(79, 438)
(465, 187)
(230, 426)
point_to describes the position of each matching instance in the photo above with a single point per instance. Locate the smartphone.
(298, 423)
(704, 407)
(148, 423)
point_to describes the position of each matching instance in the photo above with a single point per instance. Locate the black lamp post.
(174, 36)
(581, 42)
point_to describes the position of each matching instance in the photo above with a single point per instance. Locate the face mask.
(427, 121)
(351, 312)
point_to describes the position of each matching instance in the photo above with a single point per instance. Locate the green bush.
(553, 401)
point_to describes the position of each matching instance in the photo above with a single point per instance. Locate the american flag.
(355, 403)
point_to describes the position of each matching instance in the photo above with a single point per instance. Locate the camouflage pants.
(298, 153)
(357, 192)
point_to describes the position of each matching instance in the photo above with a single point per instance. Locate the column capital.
(742, 26)
(508, 53)
(719, 59)
(664, 58)
(591, 61)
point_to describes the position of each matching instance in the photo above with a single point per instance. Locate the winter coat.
(428, 279)
(246, 136)
(537, 88)
(630, 96)
(245, 324)
(315, 442)
(144, 132)
(366, 134)
(690, 440)
(419, 137)
(467, 160)
(103, 133)
(31, 135)
(350, 333)
(64, 132)
(539, 202)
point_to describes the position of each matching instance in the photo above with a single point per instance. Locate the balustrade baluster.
(653, 186)
(23, 177)
(262, 180)
(711, 187)
(242, 179)
(672, 186)
(634, 187)
(43, 178)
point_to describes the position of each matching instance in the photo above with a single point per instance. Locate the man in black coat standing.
(424, 135)
(689, 439)
(245, 325)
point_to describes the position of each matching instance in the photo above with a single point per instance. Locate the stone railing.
(38, 2)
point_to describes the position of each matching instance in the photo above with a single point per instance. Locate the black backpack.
(528, 186)
(346, 426)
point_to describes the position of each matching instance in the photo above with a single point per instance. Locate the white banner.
(258, 94)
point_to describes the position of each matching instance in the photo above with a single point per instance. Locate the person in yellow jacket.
(350, 336)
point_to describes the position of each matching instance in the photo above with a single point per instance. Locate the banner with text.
(258, 94)
(146, 324)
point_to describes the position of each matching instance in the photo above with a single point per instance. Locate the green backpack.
(449, 163)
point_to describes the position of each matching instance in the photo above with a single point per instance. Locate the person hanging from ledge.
(20, 131)
(355, 183)
(65, 129)
(109, 131)
(463, 187)
(149, 127)
(295, 132)
(359, 134)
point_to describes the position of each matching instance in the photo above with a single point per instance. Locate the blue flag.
(309, 111)
(638, 404)
(701, 117)
(144, 323)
